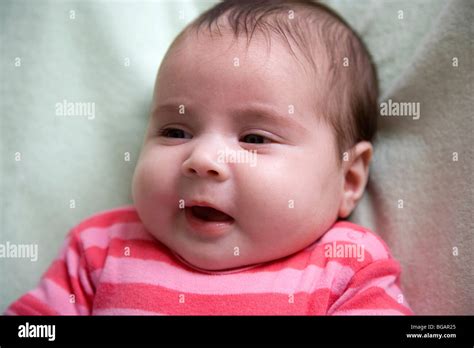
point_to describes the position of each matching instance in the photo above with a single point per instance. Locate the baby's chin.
(223, 255)
(214, 265)
(211, 259)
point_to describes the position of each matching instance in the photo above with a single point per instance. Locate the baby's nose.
(204, 162)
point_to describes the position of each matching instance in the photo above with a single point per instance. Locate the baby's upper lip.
(204, 203)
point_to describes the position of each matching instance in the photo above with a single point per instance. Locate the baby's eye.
(174, 133)
(255, 139)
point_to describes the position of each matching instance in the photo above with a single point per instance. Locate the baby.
(258, 147)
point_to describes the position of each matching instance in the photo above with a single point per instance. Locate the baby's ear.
(356, 174)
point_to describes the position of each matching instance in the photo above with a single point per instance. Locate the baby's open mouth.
(209, 214)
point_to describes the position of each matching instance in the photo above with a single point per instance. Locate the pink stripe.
(64, 248)
(72, 262)
(83, 278)
(100, 237)
(286, 281)
(124, 311)
(370, 242)
(379, 311)
(96, 276)
(155, 298)
(57, 298)
(69, 256)
(75, 270)
(385, 283)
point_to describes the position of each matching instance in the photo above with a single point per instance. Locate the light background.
(83, 60)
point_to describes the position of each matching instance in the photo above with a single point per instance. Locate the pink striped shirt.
(110, 264)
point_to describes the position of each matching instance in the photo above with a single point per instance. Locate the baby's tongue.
(210, 214)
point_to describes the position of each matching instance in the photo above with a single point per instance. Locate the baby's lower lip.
(204, 228)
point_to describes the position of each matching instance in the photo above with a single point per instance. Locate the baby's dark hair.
(345, 77)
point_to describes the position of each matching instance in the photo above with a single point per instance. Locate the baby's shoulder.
(348, 242)
(98, 229)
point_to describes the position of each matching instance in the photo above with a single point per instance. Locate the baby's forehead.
(309, 31)
(208, 48)
(223, 74)
(264, 68)
(256, 68)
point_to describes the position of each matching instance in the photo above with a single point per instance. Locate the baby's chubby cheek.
(153, 190)
(283, 211)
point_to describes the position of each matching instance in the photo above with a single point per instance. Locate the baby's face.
(215, 106)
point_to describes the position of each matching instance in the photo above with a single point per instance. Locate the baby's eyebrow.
(169, 107)
(251, 112)
(268, 114)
